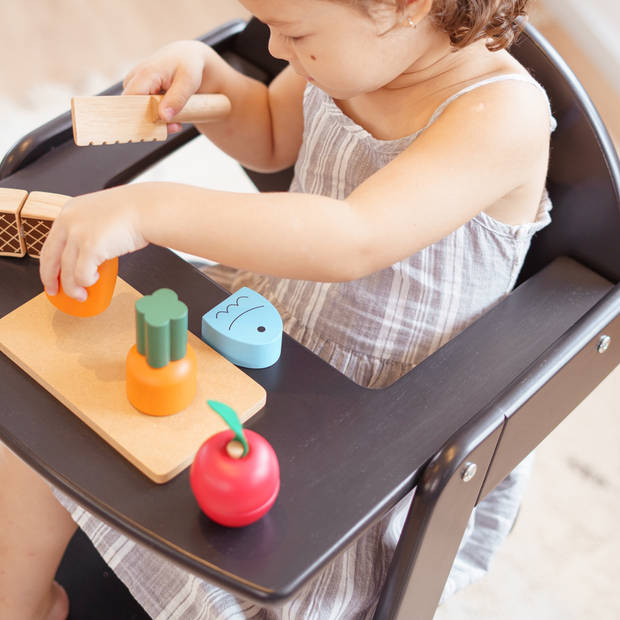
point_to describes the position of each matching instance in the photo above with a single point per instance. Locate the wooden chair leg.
(434, 527)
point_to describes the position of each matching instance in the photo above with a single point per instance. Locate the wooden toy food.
(161, 368)
(11, 239)
(235, 475)
(26, 219)
(245, 328)
(98, 297)
(38, 215)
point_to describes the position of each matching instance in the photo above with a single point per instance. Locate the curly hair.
(499, 22)
(466, 21)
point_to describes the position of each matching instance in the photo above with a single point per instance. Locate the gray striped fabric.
(377, 328)
(373, 330)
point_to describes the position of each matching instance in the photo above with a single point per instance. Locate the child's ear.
(386, 16)
(417, 10)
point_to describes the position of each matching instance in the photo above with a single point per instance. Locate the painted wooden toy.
(161, 368)
(245, 328)
(99, 295)
(235, 475)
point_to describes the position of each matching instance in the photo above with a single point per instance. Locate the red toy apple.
(235, 475)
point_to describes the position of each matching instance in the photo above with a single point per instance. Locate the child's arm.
(264, 129)
(489, 144)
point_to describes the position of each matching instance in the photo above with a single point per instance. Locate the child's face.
(334, 45)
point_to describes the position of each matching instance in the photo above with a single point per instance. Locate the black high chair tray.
(347, 454)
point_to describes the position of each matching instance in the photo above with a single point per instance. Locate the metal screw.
(603, 344)
(469, 471)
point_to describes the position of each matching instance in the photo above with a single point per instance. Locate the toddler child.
(420, 148)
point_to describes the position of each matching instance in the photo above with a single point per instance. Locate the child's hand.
(179, 71)
(89, 230)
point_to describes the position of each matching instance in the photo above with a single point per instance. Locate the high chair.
(453, 427)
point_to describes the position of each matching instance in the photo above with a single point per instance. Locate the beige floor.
(66, 40)
(562, 560)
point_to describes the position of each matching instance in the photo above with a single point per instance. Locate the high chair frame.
(453, 427)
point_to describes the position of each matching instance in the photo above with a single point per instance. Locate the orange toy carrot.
(99, 294)
(161, 367)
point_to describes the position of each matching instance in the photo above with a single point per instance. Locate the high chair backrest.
(584, 175)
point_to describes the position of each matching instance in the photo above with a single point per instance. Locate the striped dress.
(373, 330)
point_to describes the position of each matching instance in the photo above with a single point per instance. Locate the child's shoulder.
(499, 97)
(507, 98)
(505, 87)
(501, 84)
(499, 88)
(506, 115)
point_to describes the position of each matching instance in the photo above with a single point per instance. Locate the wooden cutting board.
(81, 361)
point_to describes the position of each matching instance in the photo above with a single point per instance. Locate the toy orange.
(161, 368)
(99, 294)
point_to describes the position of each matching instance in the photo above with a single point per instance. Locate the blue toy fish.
(245, 328)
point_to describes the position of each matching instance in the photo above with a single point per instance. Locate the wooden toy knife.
(135, 118)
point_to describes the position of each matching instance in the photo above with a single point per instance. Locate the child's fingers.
(128, 78)
(131, 75)
(67, 273)
(49, 263)
(183, 86)
(143, 83)
(174, 128)
(86, 273)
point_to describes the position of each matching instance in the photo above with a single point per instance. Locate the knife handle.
(202, 108)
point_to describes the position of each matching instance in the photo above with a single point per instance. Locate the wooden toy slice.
(81, 361)
(135, 118)
(38, 215)
(11, 240)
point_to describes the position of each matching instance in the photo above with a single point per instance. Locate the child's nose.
(278, 47)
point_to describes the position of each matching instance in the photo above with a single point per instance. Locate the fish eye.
(260, 329)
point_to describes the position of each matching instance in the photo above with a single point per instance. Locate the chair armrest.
(489, 357)
(557, 319)
(485, 449)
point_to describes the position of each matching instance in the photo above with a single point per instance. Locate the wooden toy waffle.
(38, 215)
(11, 240)
(26, 219)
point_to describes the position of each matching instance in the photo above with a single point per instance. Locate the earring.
(411, 23)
